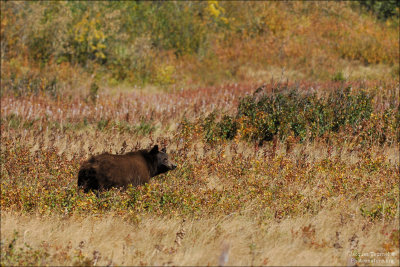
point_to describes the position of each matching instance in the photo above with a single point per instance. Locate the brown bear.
(104, 171)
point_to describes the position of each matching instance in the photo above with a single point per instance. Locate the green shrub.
(289, 113)
(226, 128)
(382, 9)
(338, 77)
(102, 124)
(145, 127)
(209, 127)
(93, 93)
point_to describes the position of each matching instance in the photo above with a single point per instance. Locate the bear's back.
(119, 170)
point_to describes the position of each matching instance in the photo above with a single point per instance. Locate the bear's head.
(163, 164)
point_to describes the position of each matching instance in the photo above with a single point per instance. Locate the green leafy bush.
(382, 9)
(226, 128)
(289, 113)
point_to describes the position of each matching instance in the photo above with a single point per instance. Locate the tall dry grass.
(333, 237)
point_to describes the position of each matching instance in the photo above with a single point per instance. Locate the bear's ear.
(154, 149)
(164, 150)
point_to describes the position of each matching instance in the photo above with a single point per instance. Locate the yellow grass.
(332, 237)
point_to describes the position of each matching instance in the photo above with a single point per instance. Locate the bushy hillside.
(59, 46)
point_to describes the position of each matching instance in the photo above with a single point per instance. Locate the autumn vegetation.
(305, 173)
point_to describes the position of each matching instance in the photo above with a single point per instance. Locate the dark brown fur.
(107, 170)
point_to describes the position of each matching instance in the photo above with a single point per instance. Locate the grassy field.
(321, 201)
(305, 172)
